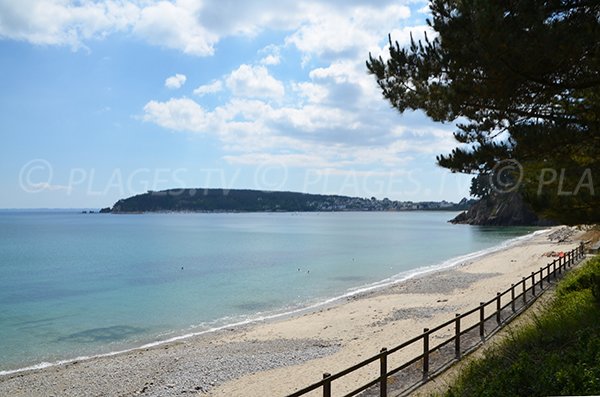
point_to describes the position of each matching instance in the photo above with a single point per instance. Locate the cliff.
(507, 209)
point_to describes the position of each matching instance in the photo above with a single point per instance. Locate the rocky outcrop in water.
(506, 209)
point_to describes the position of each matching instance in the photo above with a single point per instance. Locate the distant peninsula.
(242, 200)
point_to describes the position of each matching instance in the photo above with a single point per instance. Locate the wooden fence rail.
(502, 302)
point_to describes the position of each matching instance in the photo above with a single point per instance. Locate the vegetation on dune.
(557, 354)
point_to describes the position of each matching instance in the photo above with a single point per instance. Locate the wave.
(287, 312)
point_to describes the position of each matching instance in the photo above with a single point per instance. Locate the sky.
(101, 100)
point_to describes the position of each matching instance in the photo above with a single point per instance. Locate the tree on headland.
(521, 80)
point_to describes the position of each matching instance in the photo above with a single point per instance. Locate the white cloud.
(334, 117)
(271, 60)
(210, 88)
(424, 10)
(59, 22)
(330, 114)
(316, 27)
(175, 25)
(252, 130)
(254, 82)
(340, 72)
(330, 33)
(272, 55)
(345, 84)
(312, 92)
(176, 81)
(359, 173)
(402, 36)
(335, 110)
(178, 114)
(337, 113)
(170, 24)
(285, 159)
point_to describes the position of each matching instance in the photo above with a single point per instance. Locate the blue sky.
(105, 99)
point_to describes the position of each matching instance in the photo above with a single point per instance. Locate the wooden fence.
(483, 320)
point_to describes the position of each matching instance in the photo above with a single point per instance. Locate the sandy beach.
(278, 357)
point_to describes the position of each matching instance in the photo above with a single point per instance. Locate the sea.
(77, 285)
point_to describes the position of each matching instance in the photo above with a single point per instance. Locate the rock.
(561, 235)
(506, 209)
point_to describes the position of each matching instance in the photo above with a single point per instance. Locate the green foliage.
(481, 186)
(587, 278)
(523, 79)
(246, 200)
(556, 355)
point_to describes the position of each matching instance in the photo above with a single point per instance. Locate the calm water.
(76, 285)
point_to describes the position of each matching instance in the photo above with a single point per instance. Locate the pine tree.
(521, 79)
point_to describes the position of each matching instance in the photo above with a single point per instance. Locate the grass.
(557, 354)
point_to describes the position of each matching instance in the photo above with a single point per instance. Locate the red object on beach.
(561, 254)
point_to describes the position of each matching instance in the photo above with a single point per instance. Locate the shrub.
(587, 277)
(557, 354)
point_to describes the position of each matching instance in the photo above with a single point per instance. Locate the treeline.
(238, 200)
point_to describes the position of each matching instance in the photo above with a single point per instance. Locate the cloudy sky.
(105, 99)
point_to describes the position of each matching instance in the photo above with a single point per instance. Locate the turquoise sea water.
(76, 285)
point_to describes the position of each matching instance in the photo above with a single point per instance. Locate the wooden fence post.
(554, 271)
(560, 261)
(524, 292)
(533, 283)
(541, 278)
(457, 336)
(481, 319)
(498, 306)
(425, 353)
(327, 385)
(570, 258)
(512, 298)
(383, 373)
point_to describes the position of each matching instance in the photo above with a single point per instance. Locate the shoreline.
(279, 315)
(319, 333)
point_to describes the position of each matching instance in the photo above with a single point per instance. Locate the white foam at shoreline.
(447, 264)
(256, 318)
